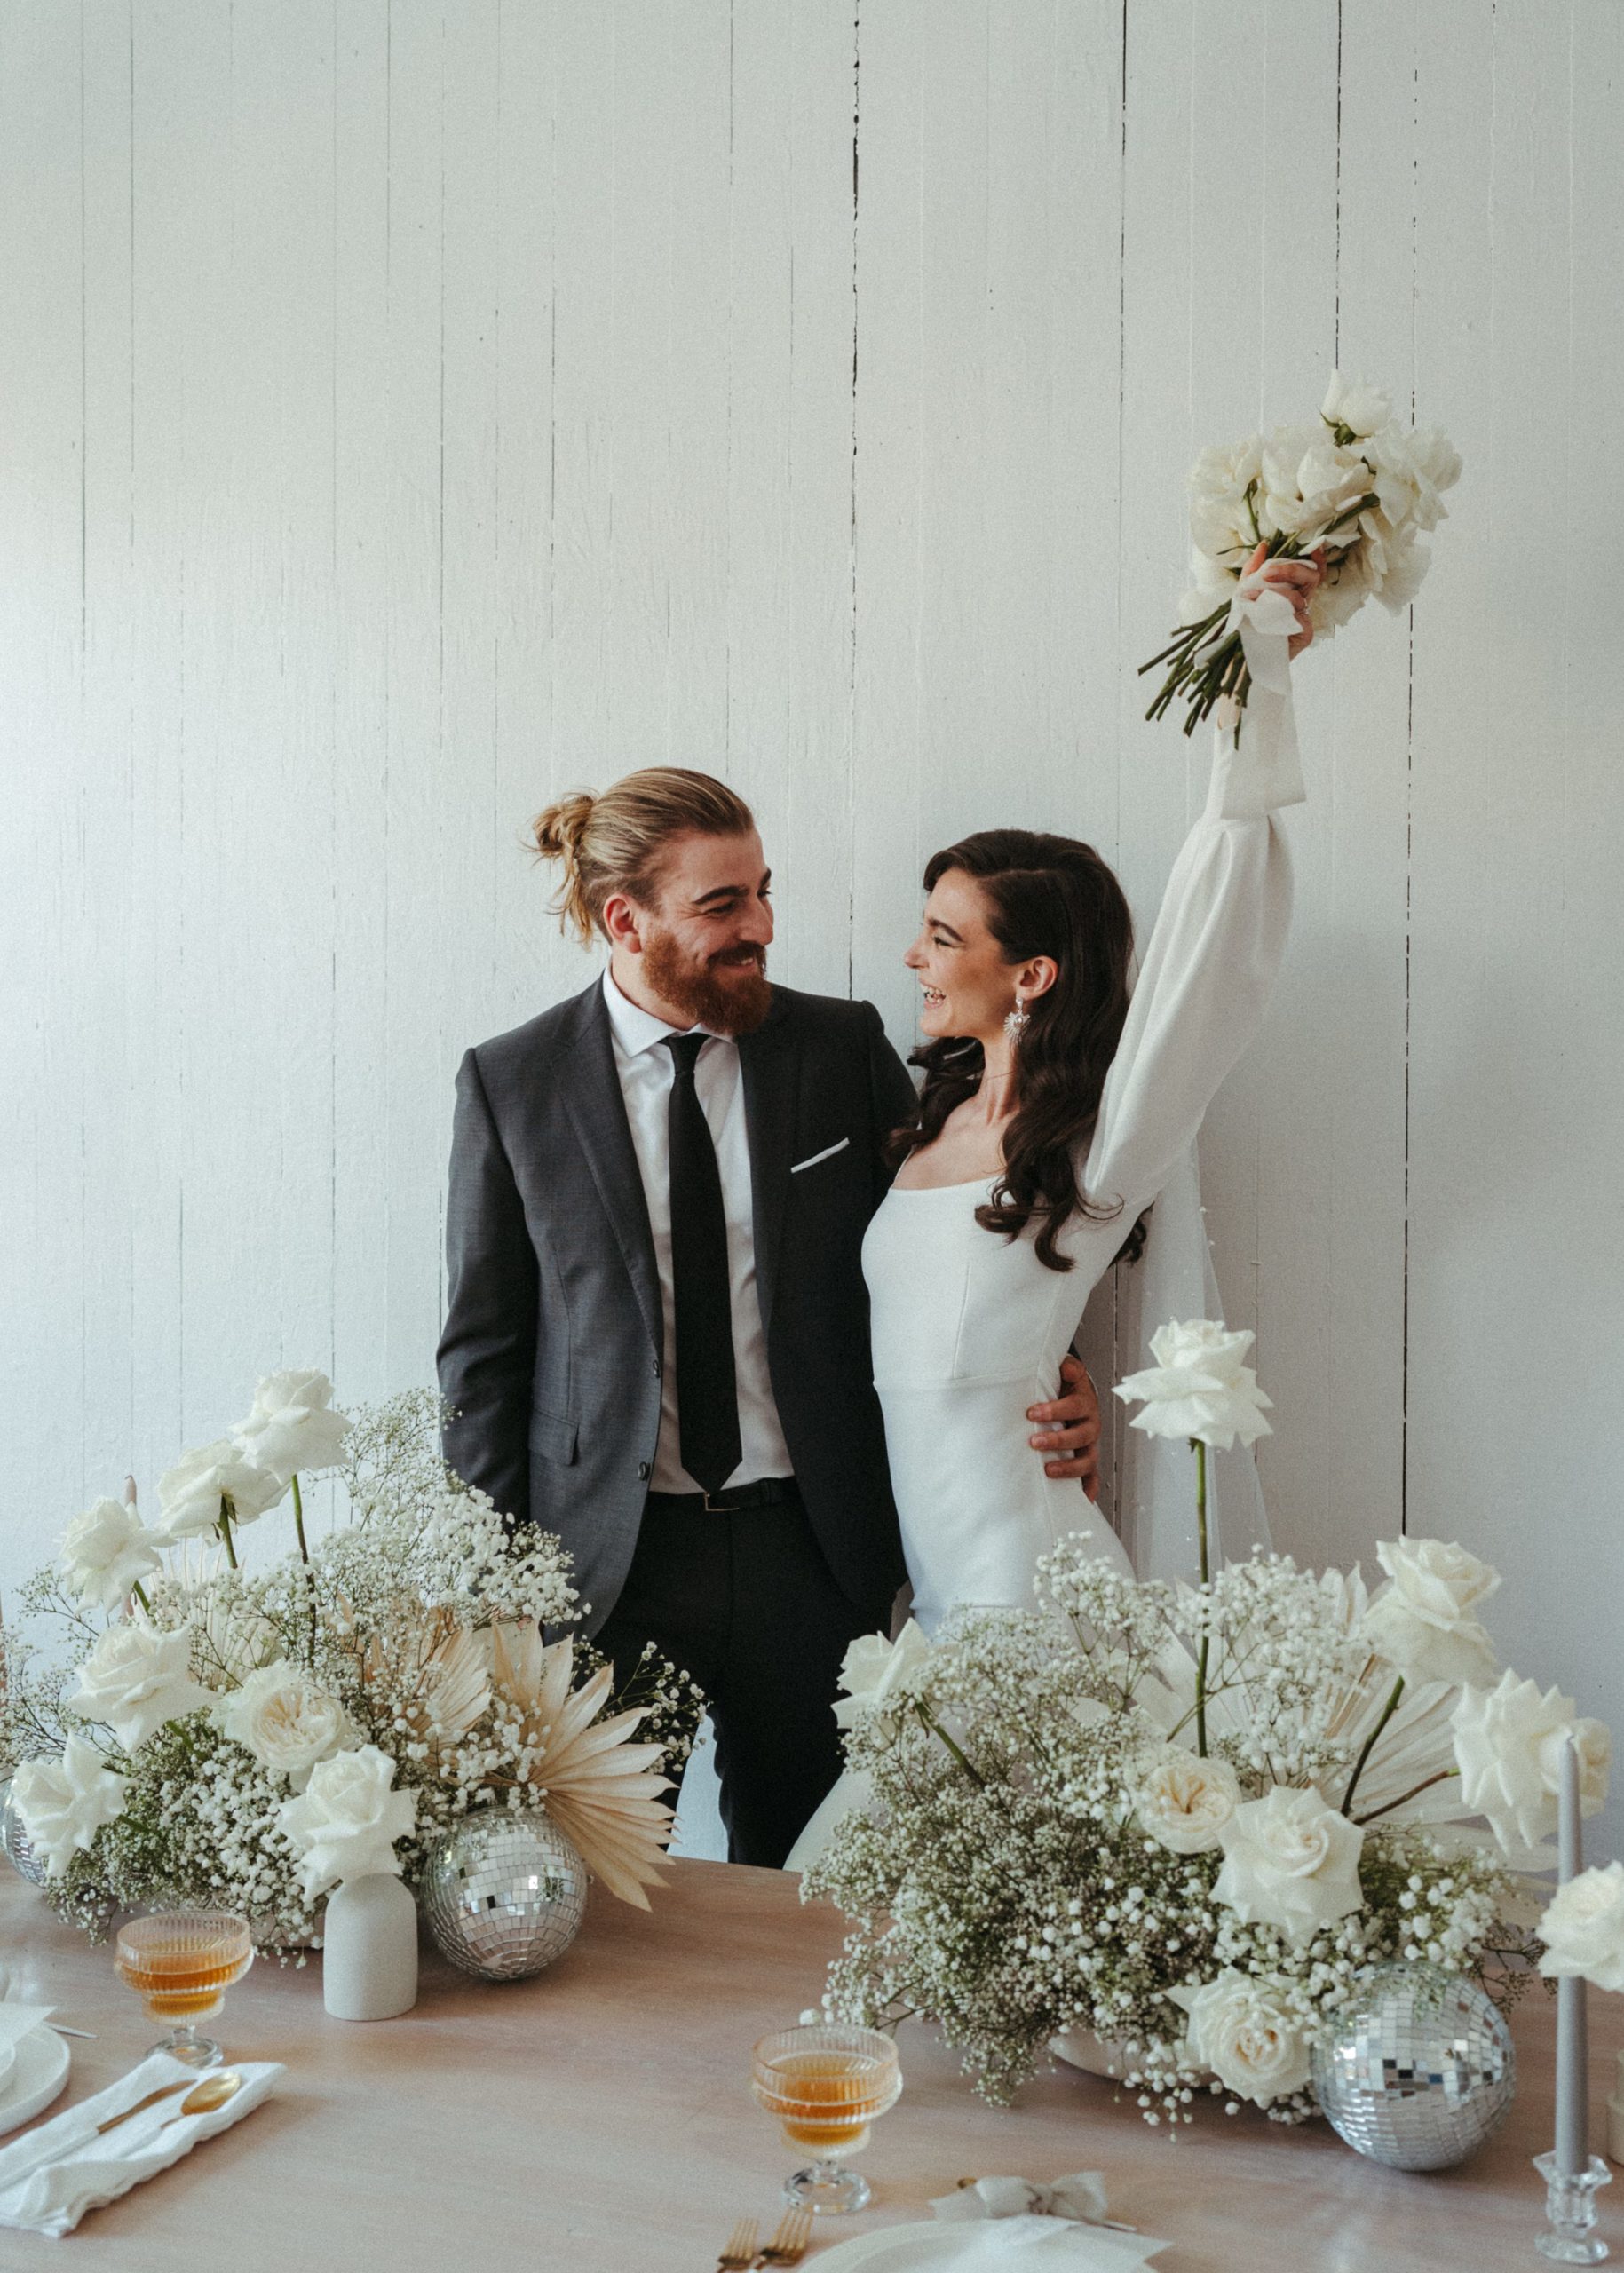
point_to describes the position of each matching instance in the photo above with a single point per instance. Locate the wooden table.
(595, 2119)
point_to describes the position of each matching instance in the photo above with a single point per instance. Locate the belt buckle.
(712, 1507)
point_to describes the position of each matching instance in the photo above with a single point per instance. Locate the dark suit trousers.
(745, 1603)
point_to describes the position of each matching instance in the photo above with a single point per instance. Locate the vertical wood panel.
(1518, 980)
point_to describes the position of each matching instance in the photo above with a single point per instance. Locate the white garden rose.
(345, 1823)
(191, 1493)
(1247, 2034)
(1291, 1861)
(135, 1679)
(1583, 1928)
(64, 1803)
(1507, 1746)
(1356, 404)
(1198, 1387)
(1434, 466)
(1185, 1802)
(1219, 520)
(106, 1552)
(878, 1674)
(292, 1427)
(1425, 1621)
(286, 1721)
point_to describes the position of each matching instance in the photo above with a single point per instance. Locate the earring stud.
(1015, 1023)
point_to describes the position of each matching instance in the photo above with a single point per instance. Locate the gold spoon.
(201, 2099)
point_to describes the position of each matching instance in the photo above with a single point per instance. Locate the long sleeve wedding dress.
(967, 1326)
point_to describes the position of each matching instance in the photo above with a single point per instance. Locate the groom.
(656, 1338)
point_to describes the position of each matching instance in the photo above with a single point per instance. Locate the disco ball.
(1418, 2071)
(504, 1894)
(15, 1841)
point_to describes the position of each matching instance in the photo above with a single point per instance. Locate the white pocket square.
(828, 1154)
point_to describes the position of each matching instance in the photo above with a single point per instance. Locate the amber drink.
(825, 2084)
(180, 1964)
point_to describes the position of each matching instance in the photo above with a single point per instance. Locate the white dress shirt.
(646, 1072)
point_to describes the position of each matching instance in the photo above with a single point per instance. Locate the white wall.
(412, 410)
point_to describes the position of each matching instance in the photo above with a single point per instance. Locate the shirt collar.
(635, 1029)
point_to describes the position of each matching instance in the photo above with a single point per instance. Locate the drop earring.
(1017, 1022)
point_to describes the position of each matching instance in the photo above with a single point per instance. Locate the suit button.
(642, 1471)
(656, 1365)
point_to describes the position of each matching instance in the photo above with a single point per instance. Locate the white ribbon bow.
(1266, 620)
(1080, 2197)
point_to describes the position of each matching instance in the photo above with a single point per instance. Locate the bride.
(1054, 1108)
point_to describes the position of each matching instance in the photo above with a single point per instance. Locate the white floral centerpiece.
(1185, 1819)
(246, 1738)
(1357, 483)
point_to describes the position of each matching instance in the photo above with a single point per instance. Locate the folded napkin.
(1081, 2196)
(16, 2022)
(49, 2179)
(1045, 2244)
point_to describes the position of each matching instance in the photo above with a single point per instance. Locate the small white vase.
(369, 1950)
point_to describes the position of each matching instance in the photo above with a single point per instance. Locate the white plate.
(39, 2073)
(894, 2242)
(917, 2248)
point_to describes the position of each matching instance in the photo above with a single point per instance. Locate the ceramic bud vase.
(369, 1949)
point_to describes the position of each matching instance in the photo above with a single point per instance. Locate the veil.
(1146, 1483)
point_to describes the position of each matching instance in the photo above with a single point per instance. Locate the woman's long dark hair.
(1045, 896)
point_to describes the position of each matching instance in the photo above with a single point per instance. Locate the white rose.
(64, 1803)
(1423, 1623)
(1435, 466)
(1583, 1928)
(1290, 1861)
(135, 1679)
(879, 1674)
(1198, 1386)
(190, 1493)
(1186, 1802)
(1507, 1746)
(1355, 403)
(345, 1824)
(292, 1426)
(1246, 2034)
(285, 1721)
(105, 1552)
(1311, 479)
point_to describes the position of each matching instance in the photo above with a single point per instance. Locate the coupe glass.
(180, 1963)
(825, 2084)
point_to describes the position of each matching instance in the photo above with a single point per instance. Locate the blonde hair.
(616, 841)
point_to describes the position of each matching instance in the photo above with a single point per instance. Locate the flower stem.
(299, 1520)
(928, 1720)
(139, 1592)
(225, 1512)
(1200, 1450)
(1443, 1776)
(1388, 1710)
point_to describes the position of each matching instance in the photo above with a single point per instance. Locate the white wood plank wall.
(413, 409)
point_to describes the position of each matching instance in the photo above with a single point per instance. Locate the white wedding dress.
(968, 1329)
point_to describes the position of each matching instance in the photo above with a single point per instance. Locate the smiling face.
(968, 985)
(697, 955)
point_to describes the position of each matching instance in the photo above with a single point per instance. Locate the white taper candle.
(1573, 2080)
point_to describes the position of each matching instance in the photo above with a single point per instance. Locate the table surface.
(597, 2119)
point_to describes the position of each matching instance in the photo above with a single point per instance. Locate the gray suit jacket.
(551, 1350)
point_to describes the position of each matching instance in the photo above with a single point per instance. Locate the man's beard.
(734, 1005)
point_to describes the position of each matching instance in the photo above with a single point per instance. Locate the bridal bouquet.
(1184, 1819)
(1357, 483)
(205, 1733)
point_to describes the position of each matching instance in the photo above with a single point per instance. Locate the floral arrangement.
(247, 1739)
(1357, 483)
(1185, 1819)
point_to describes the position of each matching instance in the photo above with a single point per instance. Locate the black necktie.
(707, 1394)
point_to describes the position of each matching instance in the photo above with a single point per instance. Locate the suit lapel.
(770, 1064)
(594, 1102)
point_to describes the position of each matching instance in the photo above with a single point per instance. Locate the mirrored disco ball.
(1418, 2071)
(18, 1846)
(503, 1895)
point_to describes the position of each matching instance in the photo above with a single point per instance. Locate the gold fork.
(739, 2251)
(788, 2245)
